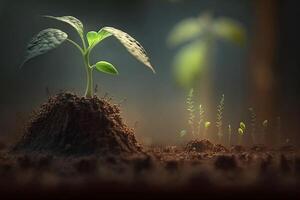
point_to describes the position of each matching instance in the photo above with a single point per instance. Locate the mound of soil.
(71, 125)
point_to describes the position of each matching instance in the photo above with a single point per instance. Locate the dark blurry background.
(264, 74)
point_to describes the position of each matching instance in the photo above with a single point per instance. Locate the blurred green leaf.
(230, 30)
(189, 63)
(185, 30)
(106, 67)
(207, 125)
(240, 131)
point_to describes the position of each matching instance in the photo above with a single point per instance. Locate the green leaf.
(106, 67)
(44, 41)
(230, 30)
(74, 22)
(132, 45)
(92, 37)
(189, 29)
(189, 62)
(207, 125)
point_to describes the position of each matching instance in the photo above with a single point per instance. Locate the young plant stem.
(89, 92)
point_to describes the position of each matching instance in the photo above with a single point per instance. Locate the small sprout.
(201, 119)
(229, 134)
(240, 135)
(206, 127)
(219, 121)
(191, 109)
(265, 125)
(50, 38)
(182, 133)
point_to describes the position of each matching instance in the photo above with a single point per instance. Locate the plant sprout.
(50, 38)
(219, 122)
(206, 127)
(201, 35)
(229, 134)
(265, 125)
(191, 109)
(241, 132)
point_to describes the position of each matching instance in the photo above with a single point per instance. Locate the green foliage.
(106, 67)
(202, 33)
(51, 38)
(191, 109)
(207, 125)
(241, 132)
(219, 122)
(265, 123)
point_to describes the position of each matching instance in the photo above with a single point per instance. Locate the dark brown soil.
(72, 125)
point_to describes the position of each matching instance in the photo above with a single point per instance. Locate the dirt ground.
(171, 171)
(79, 148)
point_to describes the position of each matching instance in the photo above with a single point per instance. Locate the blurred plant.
(50, 38)
(241, 132)
(202, 33)
(206, 127)
(219, 122)
(229, 134)
(278, 119)
(182, 133)
(265, 125)
(253, 124)
(191, 109)
(201, 120)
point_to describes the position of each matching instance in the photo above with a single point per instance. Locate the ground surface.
(77, 148)
(172, 171)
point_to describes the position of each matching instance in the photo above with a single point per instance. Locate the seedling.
(206, 127)
(241, 132)
(201, 119)
(219, 122)
(229, 134)
(50, 38)
(191, 109)
(265, 125)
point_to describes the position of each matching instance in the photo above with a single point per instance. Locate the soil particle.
(220, 148)
(259, 148)
(71, 125)
(237, 149)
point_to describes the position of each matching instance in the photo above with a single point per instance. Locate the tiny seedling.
(191, 109)
(201, 119)
(219, 122)
(229, 134)
(50, 38)
(241, 132)
(206, 127)
(265, 125)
